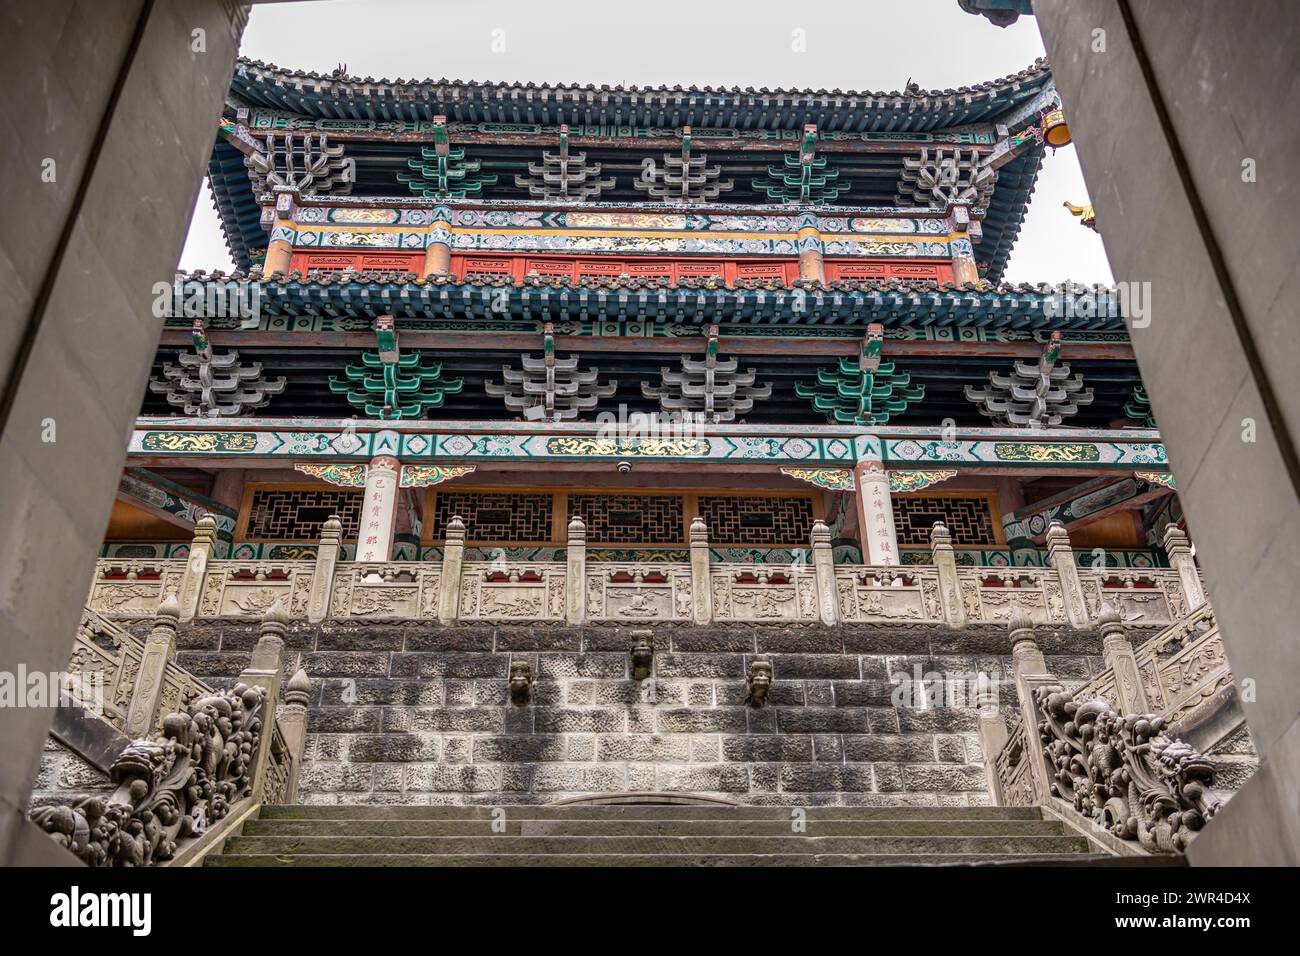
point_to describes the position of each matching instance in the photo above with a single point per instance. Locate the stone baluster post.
(944, 560)
(196, 566)
(1179, 549)
(701, 586)
(575, 580)
(453, 560)
(1117, 650)
(159, 649)
(828, 599)
(263, 671)
(993, 732)
(1061, 557)
(1029, 670)
(292, 721)
(322, 578)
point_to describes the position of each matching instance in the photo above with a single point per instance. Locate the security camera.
(624, 467)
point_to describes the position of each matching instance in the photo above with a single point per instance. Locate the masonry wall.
(413, 713)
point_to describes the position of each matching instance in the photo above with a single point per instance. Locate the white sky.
(862, 45)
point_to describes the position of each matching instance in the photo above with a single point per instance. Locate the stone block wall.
(65, 777)
(407, 713)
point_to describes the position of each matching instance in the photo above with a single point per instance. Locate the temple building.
(578, 443)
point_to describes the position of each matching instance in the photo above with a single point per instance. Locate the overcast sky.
(861, 45)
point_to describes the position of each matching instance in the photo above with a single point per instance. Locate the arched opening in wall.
(646, 798)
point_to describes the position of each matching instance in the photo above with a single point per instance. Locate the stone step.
(521, 860)
(644, 812)
(625, 845)
(650, 827)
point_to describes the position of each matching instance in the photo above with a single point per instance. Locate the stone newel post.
(824, 570)
(264, 671)
(453, 559)
(1179, 548)
(993, 732)
(1030, 672)
(322, 578)
(575, 581)
(292, 721)
(1061, 557)
(196, 566)
(945, 562)
(701, 587)
(1118, 652)
(159, 648)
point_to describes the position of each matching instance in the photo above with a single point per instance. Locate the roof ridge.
(912, 91)
(399, 277)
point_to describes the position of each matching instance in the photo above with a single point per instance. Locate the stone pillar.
(1061, 557)
(701, 586)
(292, 721)
(812, 266)
(828, 598)
(1029, 670)
(196, 566)
(159, 649)
(575, 580)
(322, 578)
(1118, 652)
(1179, 549)
(453, 560)
(993, 733)
(378, 511)
(280, 249)
(945, 562)
(875, 514)
(437, 254)
(263, 671)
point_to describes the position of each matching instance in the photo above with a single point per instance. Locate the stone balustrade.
(701, 591)
(200, 759)
(1069, 747)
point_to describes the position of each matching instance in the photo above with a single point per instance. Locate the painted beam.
(173, 503)
(1079, 507)
(292, 440)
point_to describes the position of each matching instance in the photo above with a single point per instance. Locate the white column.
(875, 514)
(378, 511)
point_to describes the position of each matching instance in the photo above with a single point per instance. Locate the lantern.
(1055, 129)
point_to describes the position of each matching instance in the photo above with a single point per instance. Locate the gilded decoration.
(345, 476)
(422, 476)
(195, 441)
(833, 479)
(1045, 451)
(905, 481)
(630, 447)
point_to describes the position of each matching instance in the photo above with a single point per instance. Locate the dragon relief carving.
(1124, 772)
(169, 787)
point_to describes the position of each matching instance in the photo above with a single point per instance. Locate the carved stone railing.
(181, 787)
(133, 588)
(700, 590)
(1102, 748)
(109, 657)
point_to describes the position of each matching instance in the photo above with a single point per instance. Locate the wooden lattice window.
(968, 518)
(296, 514)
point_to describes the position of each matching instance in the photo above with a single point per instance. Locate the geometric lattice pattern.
(495, 516)
(749, 520)
(630, 519)
(289, 515)
(968, 519)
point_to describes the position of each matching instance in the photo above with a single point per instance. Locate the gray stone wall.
(418, 713)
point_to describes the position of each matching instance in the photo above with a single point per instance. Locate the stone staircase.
(653, 835)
